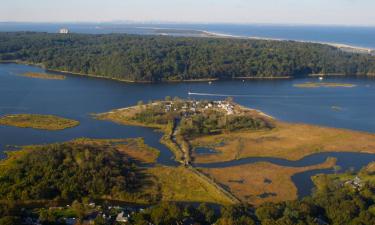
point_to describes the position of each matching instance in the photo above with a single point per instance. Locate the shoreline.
(212, 34)
(139, 82)
(341, 46)
(263, 78)
(101, 77)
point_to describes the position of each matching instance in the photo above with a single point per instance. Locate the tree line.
(160, 58)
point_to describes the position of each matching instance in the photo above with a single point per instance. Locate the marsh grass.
(323, 84)
(45, 76)
(36, 121)
(287, 141)
(252, 179)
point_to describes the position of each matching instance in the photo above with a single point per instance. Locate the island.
(44, 76)
(37, 121)
(323, 84)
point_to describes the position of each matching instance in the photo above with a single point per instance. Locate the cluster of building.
(229, 108)
(64, 31)
(121, 215)
(356, 183)
(191, 107)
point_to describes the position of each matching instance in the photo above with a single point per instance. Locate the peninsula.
(234, 132)
(137, 58)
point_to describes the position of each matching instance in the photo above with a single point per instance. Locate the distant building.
(64, 31)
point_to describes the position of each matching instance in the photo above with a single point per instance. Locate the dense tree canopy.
(66, 171)
(156, 58)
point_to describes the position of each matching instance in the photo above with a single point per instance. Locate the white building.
(64, 31)
(121, 218)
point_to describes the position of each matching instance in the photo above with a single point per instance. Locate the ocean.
(355, 36)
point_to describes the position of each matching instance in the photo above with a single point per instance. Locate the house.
(355, 183)
(64, 31)
(121, 218)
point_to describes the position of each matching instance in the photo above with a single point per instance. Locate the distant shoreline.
(210, 34)
(171, 81)
(344, 47)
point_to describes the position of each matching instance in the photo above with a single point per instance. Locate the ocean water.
(356, 36)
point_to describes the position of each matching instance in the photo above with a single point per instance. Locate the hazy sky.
(345, 12)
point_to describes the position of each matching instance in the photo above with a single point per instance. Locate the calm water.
(357, 36)
(78, 97)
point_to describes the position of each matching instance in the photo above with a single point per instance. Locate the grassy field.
(287, 141)
(249, 182)
(36, 121)
(181, 184)
(323, 84)
(45, 76)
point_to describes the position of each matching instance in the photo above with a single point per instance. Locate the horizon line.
(120, 22)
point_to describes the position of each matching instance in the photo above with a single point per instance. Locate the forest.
(66, 172)
(161, 58)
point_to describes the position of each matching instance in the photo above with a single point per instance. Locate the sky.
(328, 12)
